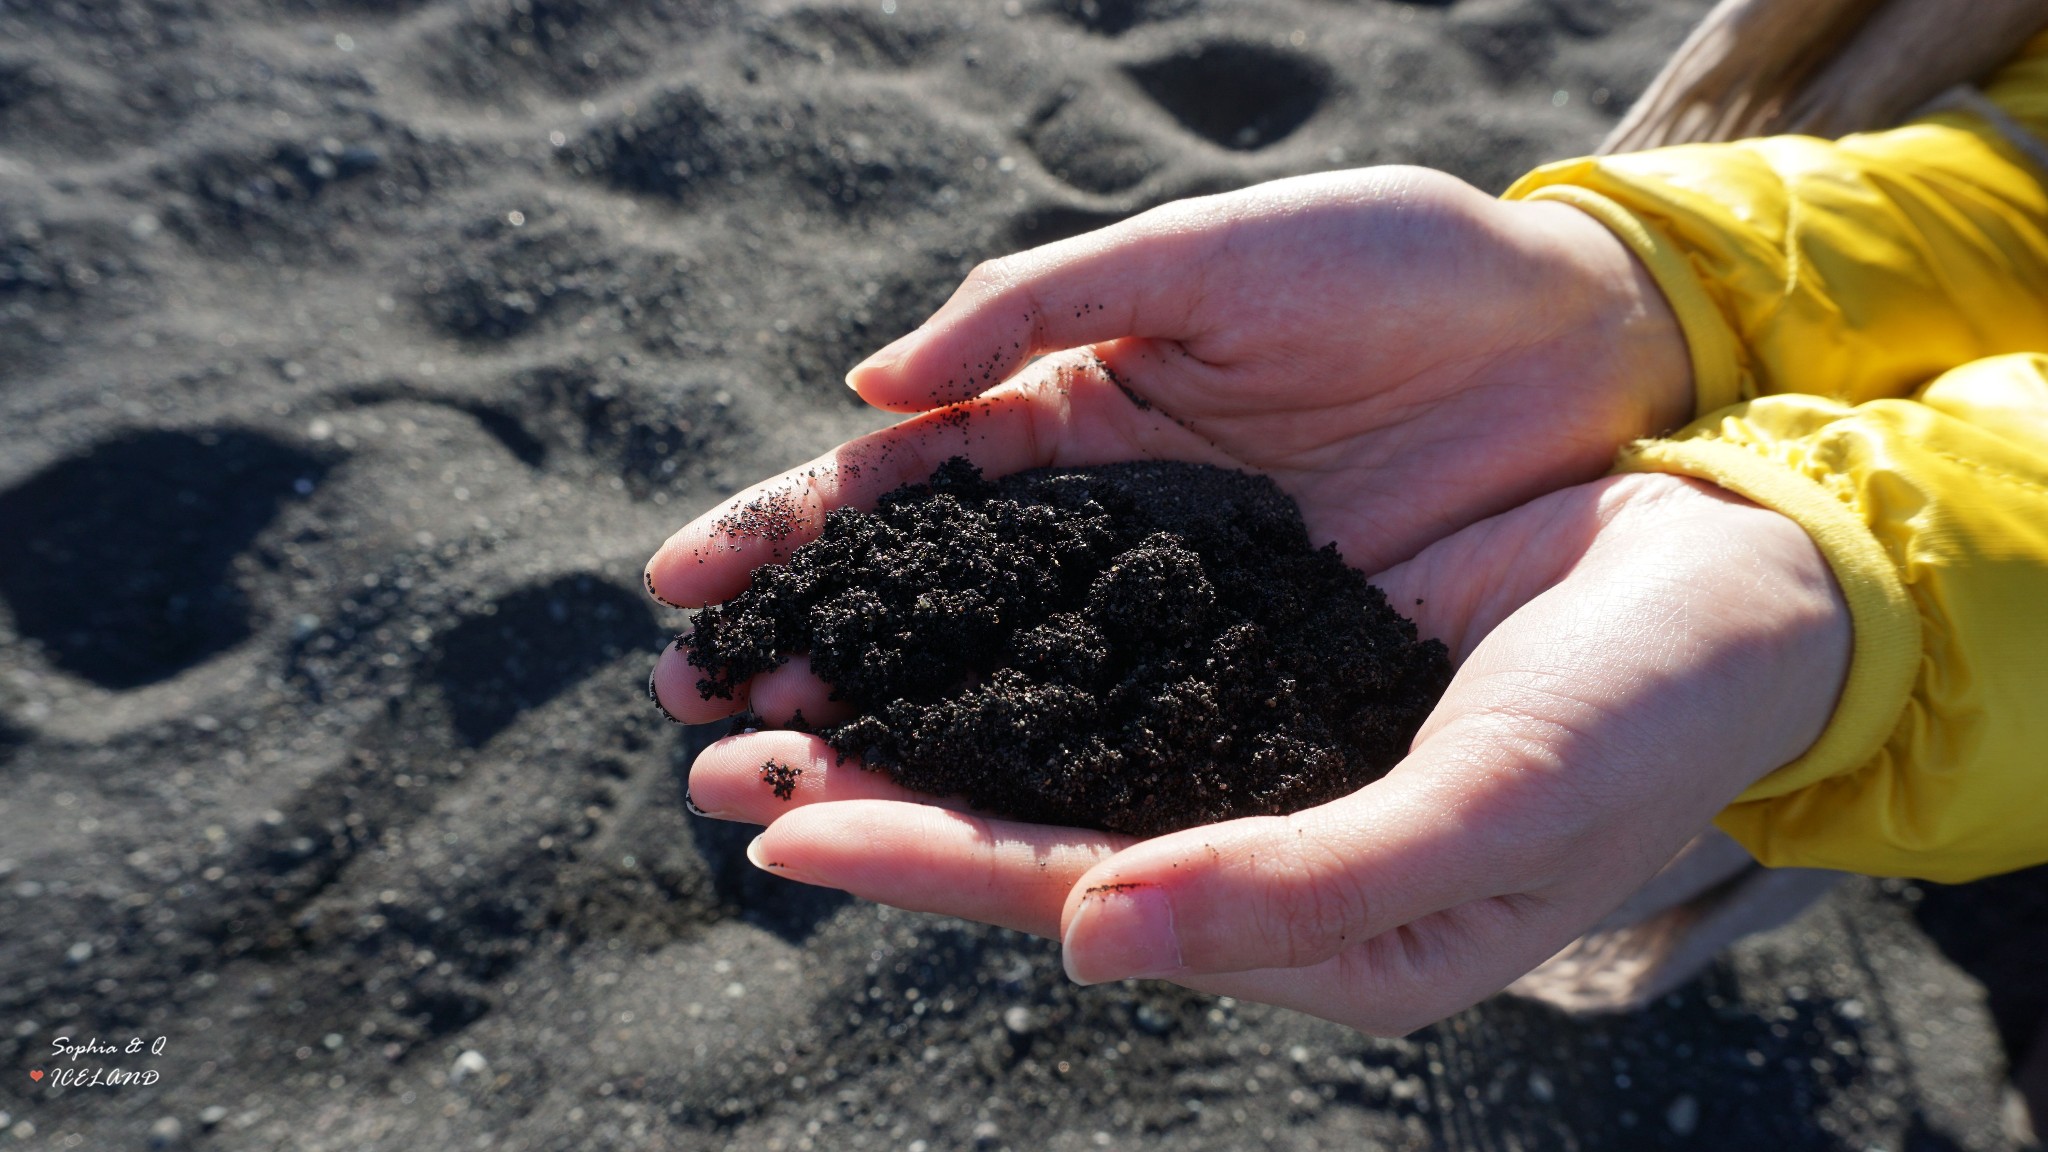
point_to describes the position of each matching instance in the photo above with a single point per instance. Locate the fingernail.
(891, 355)
(690, 802)
(757, 857)
(658, 597)
(1120, 932)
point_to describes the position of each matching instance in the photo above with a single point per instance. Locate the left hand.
(1399, 352)
(1632, 653)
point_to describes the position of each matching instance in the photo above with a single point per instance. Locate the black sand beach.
(353, 357)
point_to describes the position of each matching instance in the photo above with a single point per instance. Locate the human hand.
(1633, 653)
(1401, 353)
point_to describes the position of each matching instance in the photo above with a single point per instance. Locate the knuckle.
(990, 277)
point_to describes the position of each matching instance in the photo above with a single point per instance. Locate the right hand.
(1401, 353)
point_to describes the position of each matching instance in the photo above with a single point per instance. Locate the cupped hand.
(1632, 654)
(1401, 353)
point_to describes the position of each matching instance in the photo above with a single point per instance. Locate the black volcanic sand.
(354, 354)
(1137, 647)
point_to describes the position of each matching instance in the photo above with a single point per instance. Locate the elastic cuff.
(1886, 656)
(1716, 378)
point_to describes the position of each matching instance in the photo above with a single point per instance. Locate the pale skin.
(1440, 380)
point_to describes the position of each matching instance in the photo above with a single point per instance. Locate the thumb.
(1129, 279)
(1279, 891)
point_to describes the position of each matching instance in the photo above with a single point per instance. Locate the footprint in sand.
(531, 646)
(1240, 95)
(284, 189)
(1111, 17)
(1085, 143)
(867, 156)
(655, 434)
(1517, 41)
(560, 47)
(507, 274)
(857, 37)
(459, 829)
(121, 562)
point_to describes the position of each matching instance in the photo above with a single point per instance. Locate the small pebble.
(1683, 1116)
(470, 1063)
(1152, 1020)
(1018, 1020)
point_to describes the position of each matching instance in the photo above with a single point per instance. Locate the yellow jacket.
(1868, 320)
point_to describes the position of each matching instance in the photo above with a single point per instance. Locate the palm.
(1632, 654)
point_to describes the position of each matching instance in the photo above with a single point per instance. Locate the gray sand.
(354, 355)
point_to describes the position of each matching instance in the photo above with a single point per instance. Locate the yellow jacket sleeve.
(1862, 317)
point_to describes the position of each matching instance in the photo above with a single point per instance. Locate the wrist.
(1811, 629)
(1614, 305)
(1776, 607)
(1887, 648)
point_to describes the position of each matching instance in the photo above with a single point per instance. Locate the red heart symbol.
(36, 1075)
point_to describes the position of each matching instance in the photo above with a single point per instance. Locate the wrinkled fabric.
(1867, 320)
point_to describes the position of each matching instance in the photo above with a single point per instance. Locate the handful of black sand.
(1138, 647)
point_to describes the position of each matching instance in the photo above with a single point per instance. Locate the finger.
(1296, 892)
(793, 691)
(673, 688)
(1413, 976)
(779, 696)
(855, 830)
(933, 859)
(1138, 278)
(930, 859)
(1016, 876)
(1065, 412)
(1271, 892)
(759, 777)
